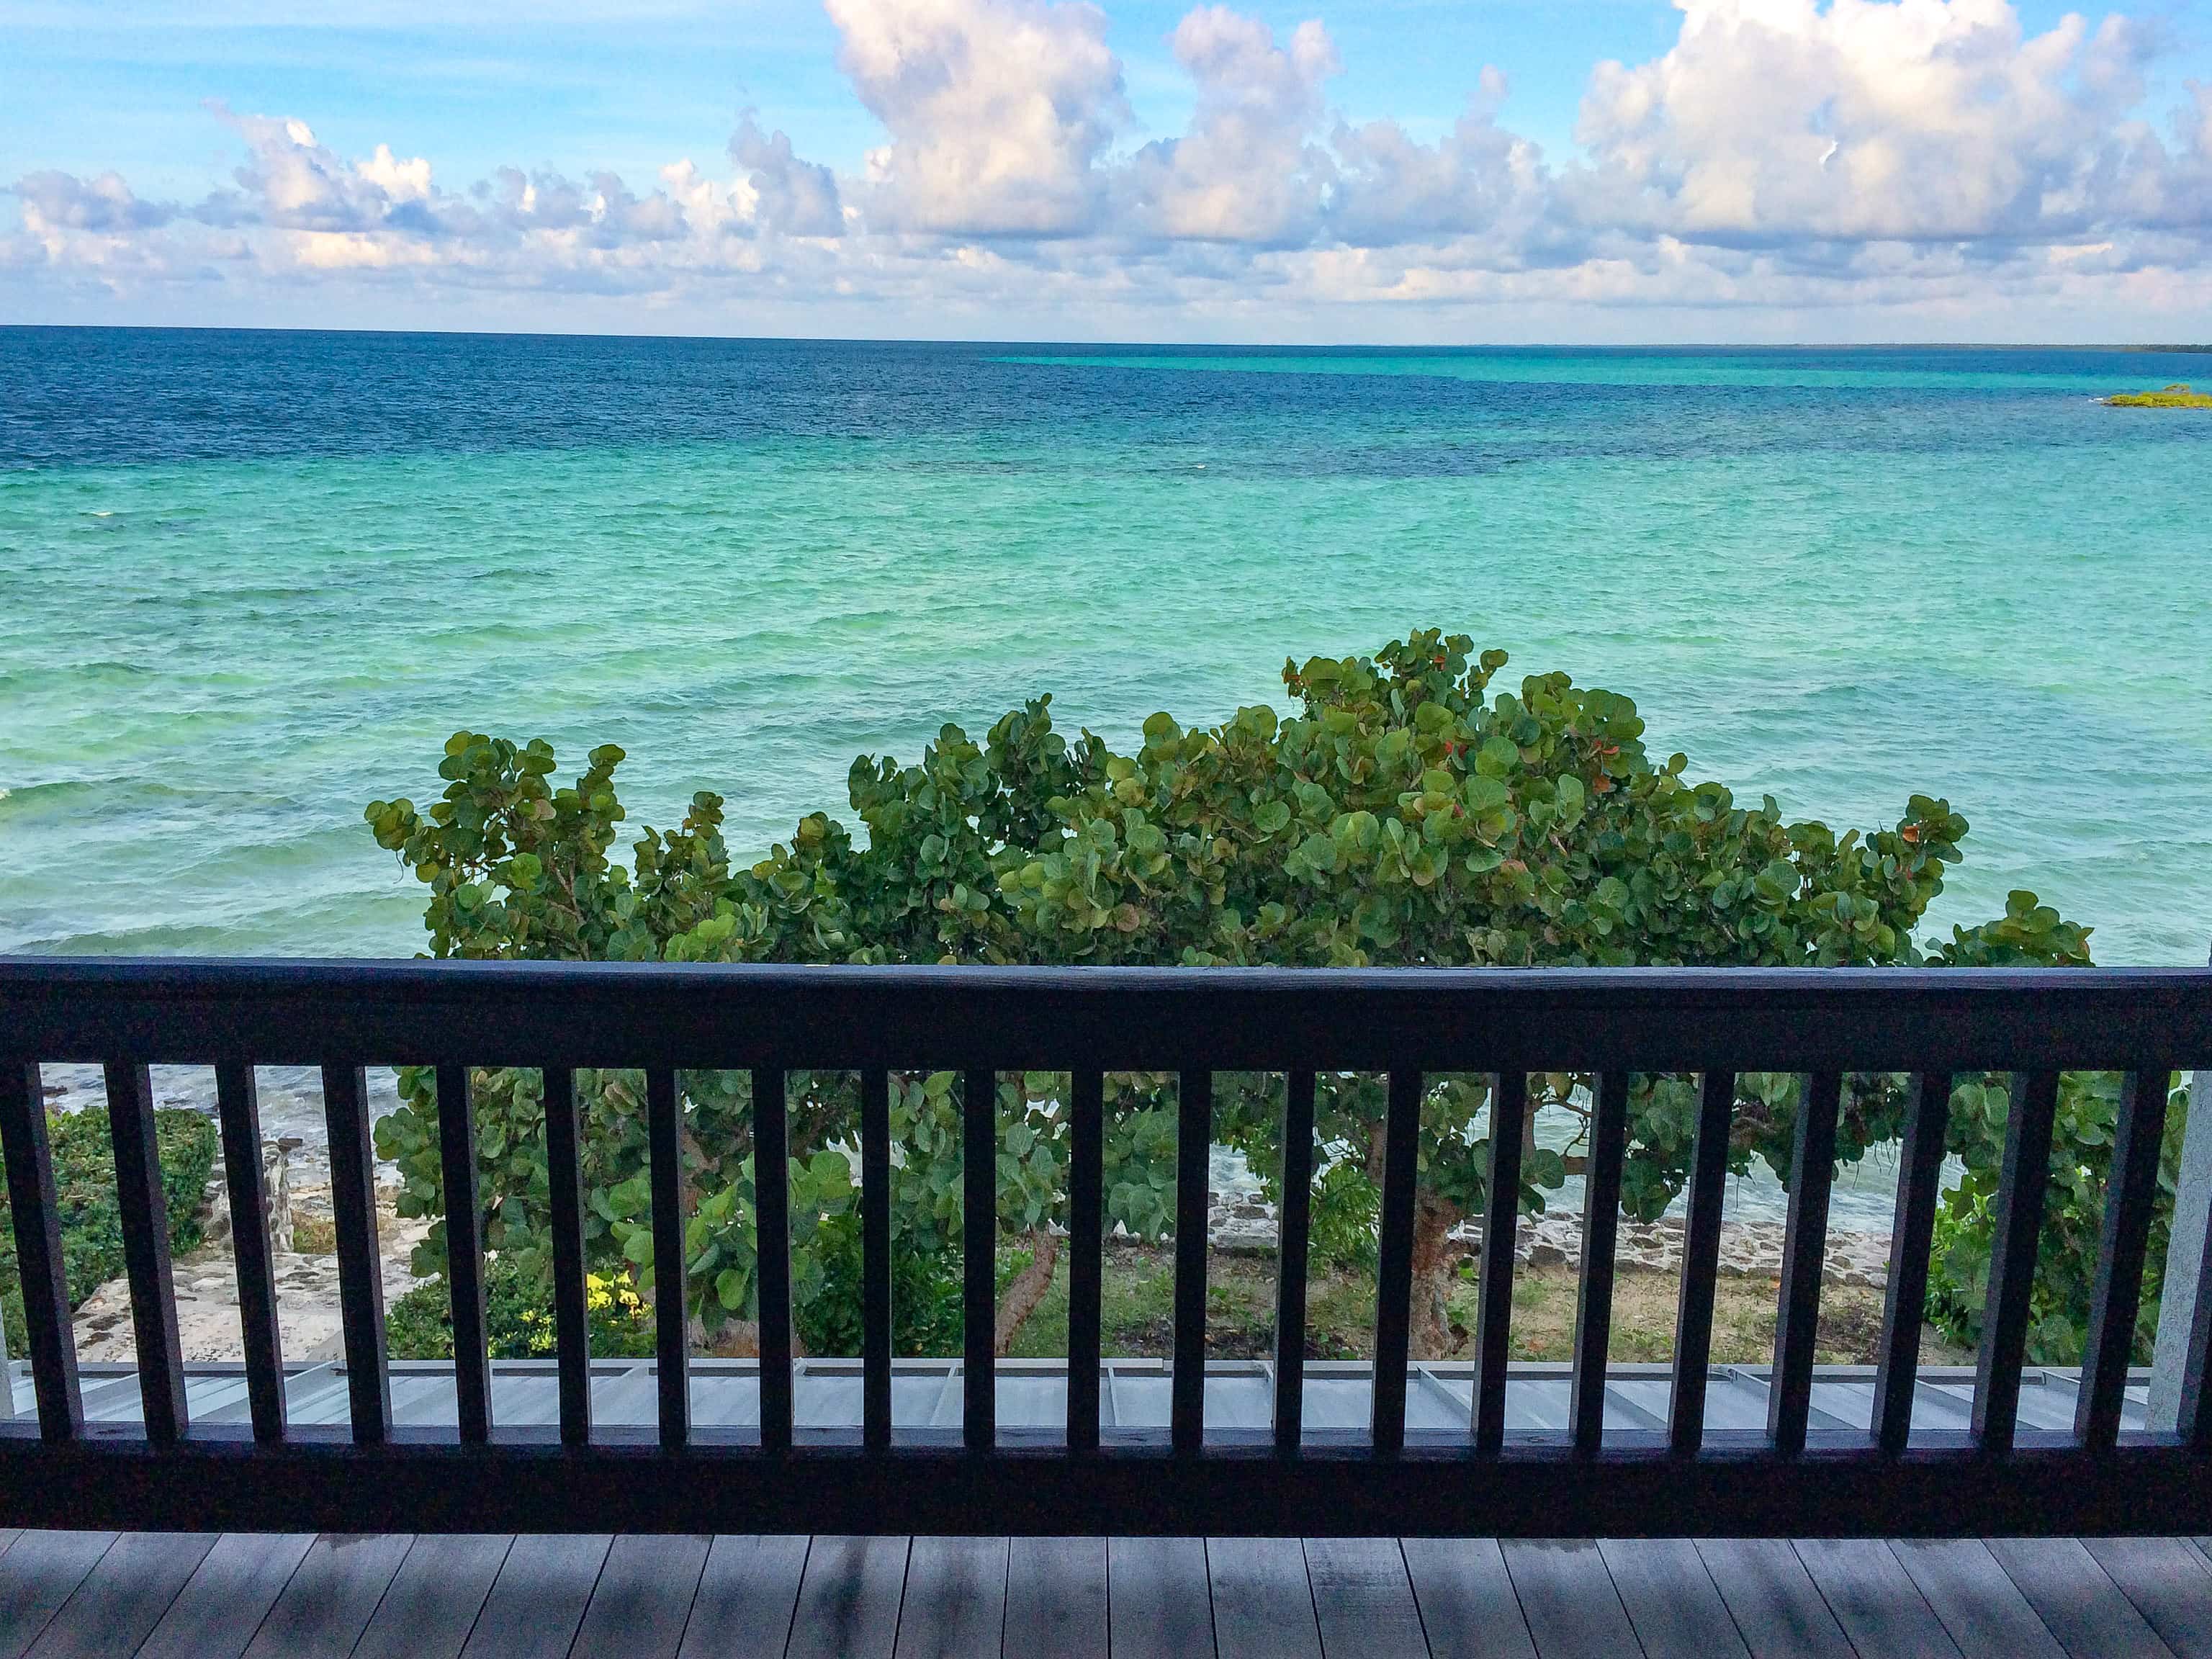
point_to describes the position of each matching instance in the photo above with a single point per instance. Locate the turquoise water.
(248, 582)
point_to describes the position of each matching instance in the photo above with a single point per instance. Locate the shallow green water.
(248, 582)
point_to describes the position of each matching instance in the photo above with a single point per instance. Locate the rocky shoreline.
(1748, 1249)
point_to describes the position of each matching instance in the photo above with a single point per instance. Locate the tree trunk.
(1433, 1258)
(1028, 1288)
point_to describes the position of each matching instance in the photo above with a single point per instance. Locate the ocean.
(250, 582)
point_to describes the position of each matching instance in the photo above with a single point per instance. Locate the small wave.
(104, 513)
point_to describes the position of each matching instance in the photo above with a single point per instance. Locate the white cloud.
(1866, 120)
(1246, 170)
(999, 112)
(1780, 154)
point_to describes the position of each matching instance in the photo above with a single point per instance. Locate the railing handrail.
(665, 1019)
(737, 1015)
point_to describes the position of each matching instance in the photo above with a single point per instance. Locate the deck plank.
(432, 1601)
(1777, 1608)
(1158, 1604)
(955, 1599)
(1568, 1598)
(849, 1599)
(1671, 1600)
(644, 1599)
(1263, 1606)
(746, 1595)
(1875, 1599)
(223, 1603)
(1365, 1599)
(2076, 1599)
(1979, 1605)
(538, 1602)
(1056, 1598)
(2168, 1583)
(1466, 1600)
(38, 1573)
(123, 1596)
(332, 1597)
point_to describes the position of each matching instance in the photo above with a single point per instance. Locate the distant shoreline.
(1669, 348)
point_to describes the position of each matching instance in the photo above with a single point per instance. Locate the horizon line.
(2176, 348)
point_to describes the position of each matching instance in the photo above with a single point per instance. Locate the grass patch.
(83, 1156)
(1137, 1310)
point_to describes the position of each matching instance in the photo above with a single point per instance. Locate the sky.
(1384, 171)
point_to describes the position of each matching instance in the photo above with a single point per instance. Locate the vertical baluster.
(145, 1218)
(2113, 1303)
(1919, 1185)
(979, 1247)
(772, 1216)
(2012, 1257)
(457, 1153)
(876, 1260)
(1293, 1220)
(664, 1124)
(1087, 1226)
(1701, 1256)
(2192, 1397)
(1393, 1272)
(572, 1321)
(1608, 1148)
(1509, 1105)
(38, 1250)
(1194, 1140)
(1804, 1259)
(361, 1273)
(238, 1106)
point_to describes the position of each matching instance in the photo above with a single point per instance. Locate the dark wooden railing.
(167, 1471)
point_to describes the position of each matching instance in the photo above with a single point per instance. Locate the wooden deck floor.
(202, 1596)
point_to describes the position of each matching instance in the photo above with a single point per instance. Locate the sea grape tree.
(1402, 814)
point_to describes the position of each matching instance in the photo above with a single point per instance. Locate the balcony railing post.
(572, 1294)
(1701, 1254)
(145, 1215)
(772, 1216)
(1804, 1262)
(360, 1271)
(1087, 1132)
(1194, 1146)
(2131, 1196)
(1602, 1173)
(1393, 1268)
(979, 1219)
(1912, 1230)
(1294, 1220)
(876, 1259)
(238, 1104)
(663, 1117)
(38, 1250)
(2020, 1191)
(1501, 1215)
(457, 1149)
(2179, 1399)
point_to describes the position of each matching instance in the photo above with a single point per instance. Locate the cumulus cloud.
(54, 202)
(1246, 170)
(797, 197)
(999, 112)
(1865, 120)
(1779, 153)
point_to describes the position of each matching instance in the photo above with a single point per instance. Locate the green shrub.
(519, 1317)
(83, 1157)
(1405, 815)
